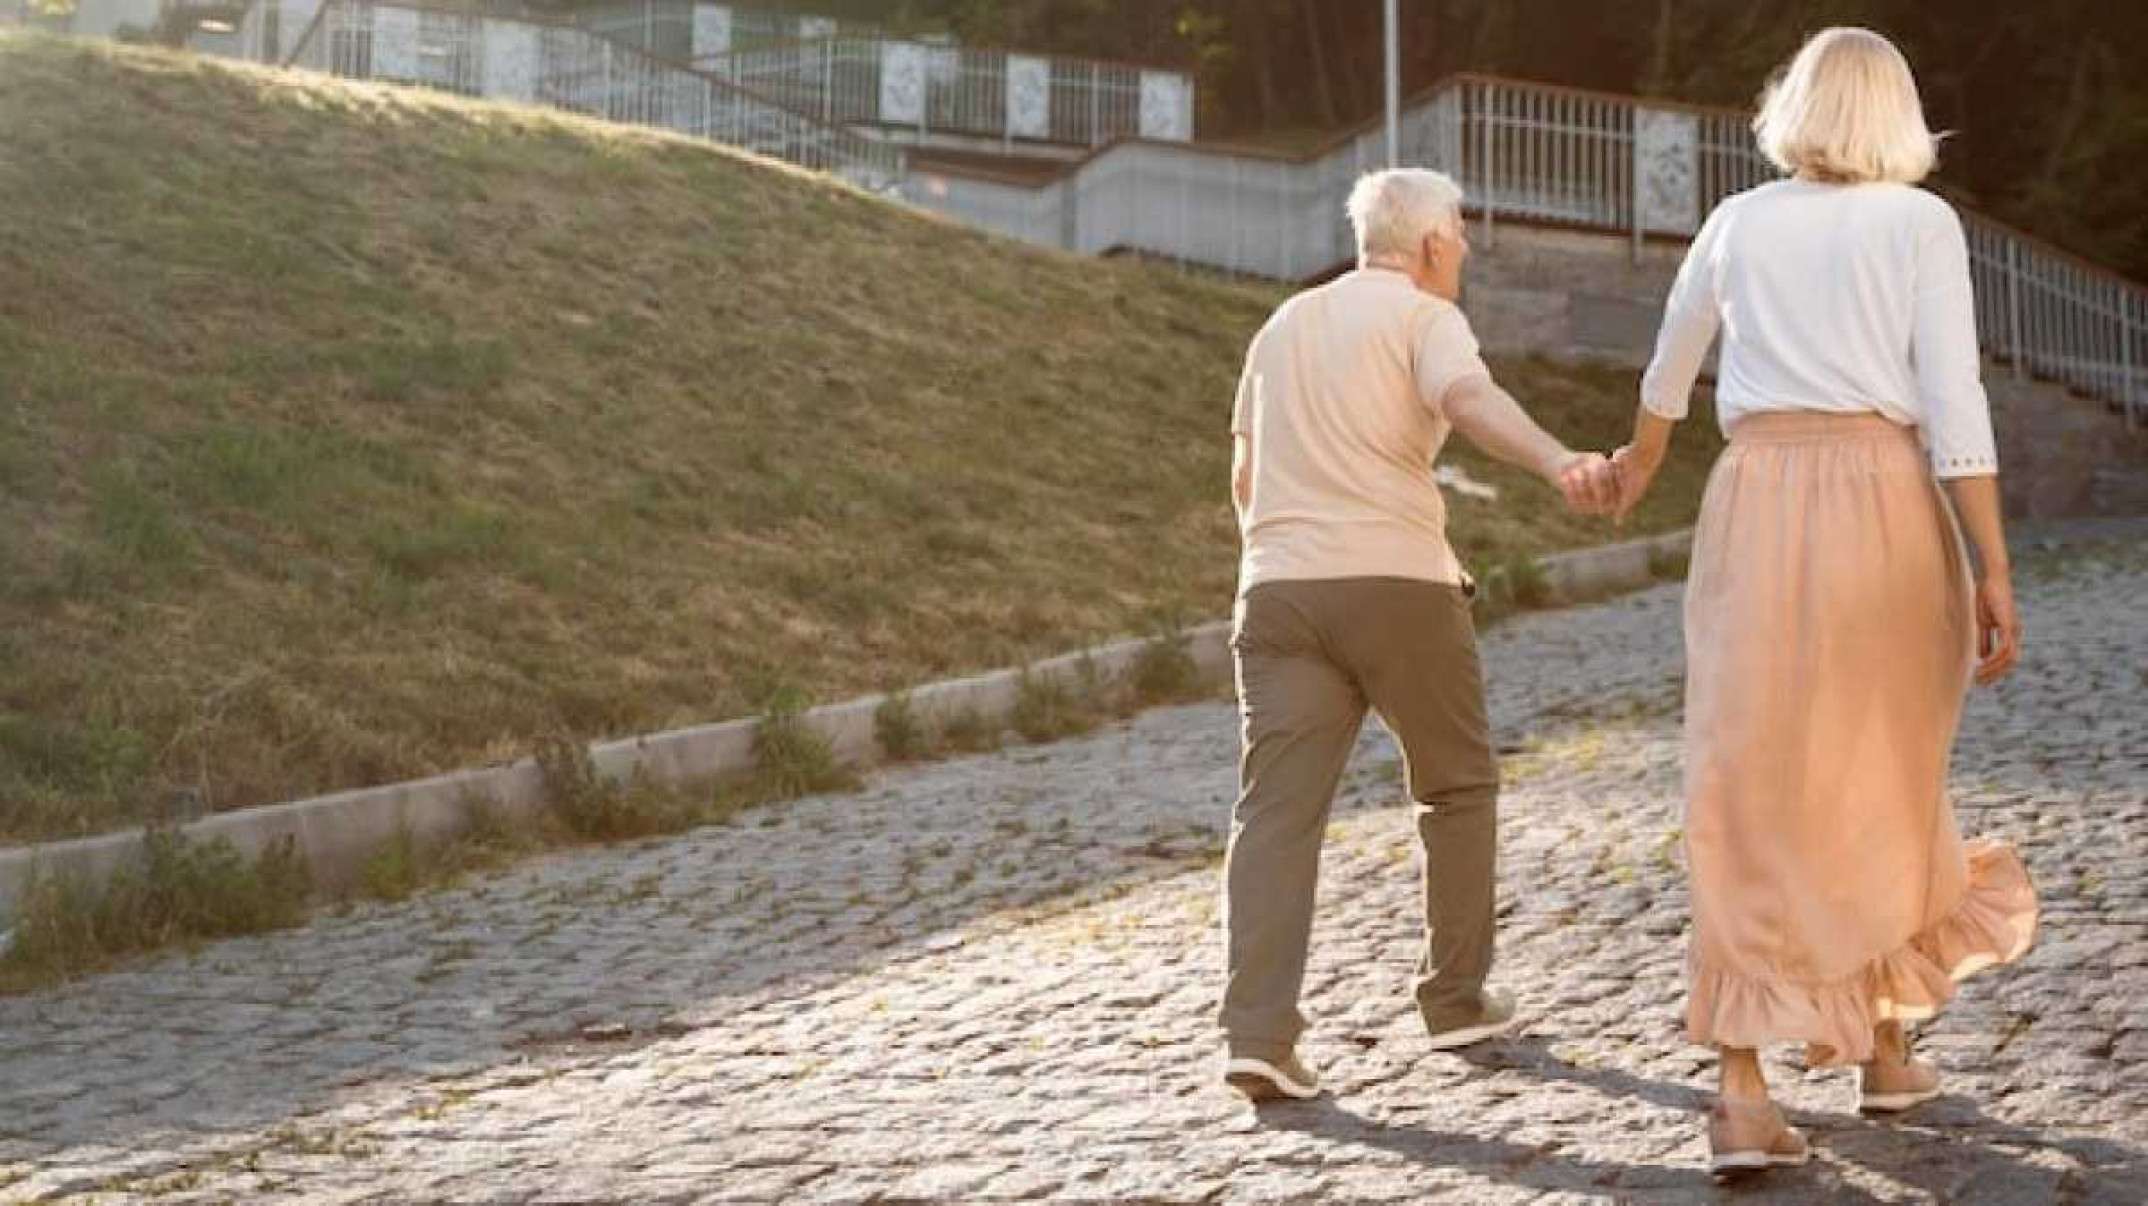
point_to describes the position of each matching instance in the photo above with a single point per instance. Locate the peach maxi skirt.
(1830, 638)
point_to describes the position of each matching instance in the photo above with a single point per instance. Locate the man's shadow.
(1939, 1149)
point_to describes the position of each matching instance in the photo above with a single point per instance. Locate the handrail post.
(2013, 310)
(1484, 154)
(1096, 101)
(1633, 180)
(1393, 62)
(2127, 389)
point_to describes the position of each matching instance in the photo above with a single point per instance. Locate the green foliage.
(967, 731)
(1047, 709)
(2052, 121)
(1165, 671)
(394, 871)
(1669, 566)
(174, 889)
(790, 757)
(896, 727)
(1511, 585)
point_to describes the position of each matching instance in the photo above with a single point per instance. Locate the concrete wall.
(1567, 293)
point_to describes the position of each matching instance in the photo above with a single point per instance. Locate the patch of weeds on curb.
(177, 889)
(1514, 585)
(1046, 709)
(392, 871)
(172, 890)
(899, 730)
(968, 732)
(1669, 565)
(790, 758)
(1165, 672)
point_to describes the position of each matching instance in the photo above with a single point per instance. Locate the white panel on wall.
(1029, 96)
(712, 30)
(511, 64)
(1666, 163)
(395, 43)
(812, 28)
(902, 83)
(1166, 106)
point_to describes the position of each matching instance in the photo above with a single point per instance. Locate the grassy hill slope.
(350, 433)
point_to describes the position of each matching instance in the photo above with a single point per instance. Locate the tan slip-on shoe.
(1884, 1088)
(1749, 1136)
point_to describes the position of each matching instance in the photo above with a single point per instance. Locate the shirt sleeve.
(1691, 316)
(1447, 354)
(1943, 351)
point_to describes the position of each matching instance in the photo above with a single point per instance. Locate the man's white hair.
(1393, 210)
(1847, 110)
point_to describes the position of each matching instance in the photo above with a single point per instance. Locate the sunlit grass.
(349, 434)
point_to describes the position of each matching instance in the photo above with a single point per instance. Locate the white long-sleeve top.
(1842, 298)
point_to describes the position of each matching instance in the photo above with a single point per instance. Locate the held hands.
(1588, 482)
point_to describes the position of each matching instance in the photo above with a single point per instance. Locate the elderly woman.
(1832, 623)
(1350, 597)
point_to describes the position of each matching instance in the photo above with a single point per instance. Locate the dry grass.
(349, 434)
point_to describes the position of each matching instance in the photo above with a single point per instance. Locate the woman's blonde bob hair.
(1847, 110)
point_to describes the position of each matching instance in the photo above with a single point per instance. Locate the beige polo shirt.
(1341, 401)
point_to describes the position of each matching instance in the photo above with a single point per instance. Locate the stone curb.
(338, 833)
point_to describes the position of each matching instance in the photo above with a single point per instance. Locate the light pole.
(1394, 84)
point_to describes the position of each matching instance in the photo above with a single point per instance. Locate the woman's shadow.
(1948, 1149)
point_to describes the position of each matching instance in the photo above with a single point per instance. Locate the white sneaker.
(1496, 1017)
(1267, 1080)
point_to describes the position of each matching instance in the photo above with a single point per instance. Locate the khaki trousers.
(1311, 657)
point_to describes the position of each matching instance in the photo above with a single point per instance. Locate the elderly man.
(1349, 596)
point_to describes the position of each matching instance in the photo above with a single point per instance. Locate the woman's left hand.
(1636, 472)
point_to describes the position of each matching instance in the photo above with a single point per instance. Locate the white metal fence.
(572, 68)
(943, 89)
(1535, 153)
(697, 31)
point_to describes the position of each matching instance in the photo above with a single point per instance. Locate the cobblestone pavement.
(994, 978)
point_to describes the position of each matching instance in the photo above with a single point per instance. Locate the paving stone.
(993, 979)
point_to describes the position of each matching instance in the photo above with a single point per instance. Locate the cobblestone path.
(994, 978)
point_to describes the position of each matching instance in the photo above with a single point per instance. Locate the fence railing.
(571, 68)
(1536, 153)
(697, 31)
(942, 89)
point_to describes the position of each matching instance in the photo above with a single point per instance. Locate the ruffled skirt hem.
(1995, 923)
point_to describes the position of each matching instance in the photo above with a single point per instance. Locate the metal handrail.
(565, 66)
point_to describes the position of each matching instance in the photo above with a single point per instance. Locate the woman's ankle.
(1890, 1044)
(1741, 1077)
